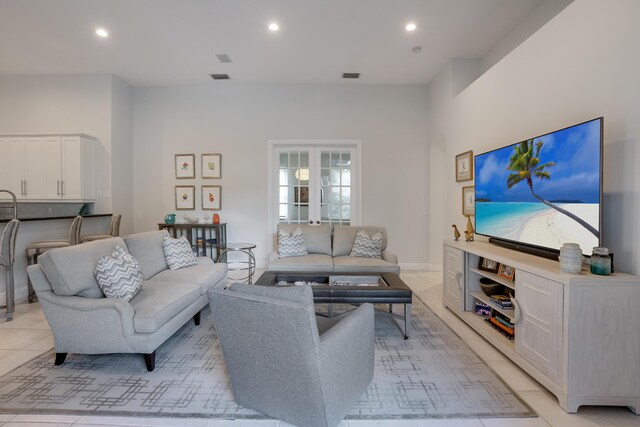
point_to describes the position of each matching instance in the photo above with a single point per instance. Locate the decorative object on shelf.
(601, 261)
(216, 219)
(456, 233)
(185, 197)
(470, 231)
(482, 309)
(211, 195)
(468, 201)
(570, 258)
(506, 271)
(464, 166)
(170, 218)
(206, 217)
(490, 287)
(185, 166)
(191, 219)
(211, 165)
(487, 264)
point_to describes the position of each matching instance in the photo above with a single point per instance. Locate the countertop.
(48, 218)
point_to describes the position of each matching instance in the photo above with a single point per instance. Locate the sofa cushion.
(205, 274)
(147, 249)
(311, 262)
(345, 235)
(350, 264)
(119, 275)
(291, 244)
(158, 302)
(367, 247)
(71, 270)
(178, 253)
(317, 238)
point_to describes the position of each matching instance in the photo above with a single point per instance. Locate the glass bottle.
(601, 261)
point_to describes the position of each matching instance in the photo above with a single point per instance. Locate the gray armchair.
(285, 362)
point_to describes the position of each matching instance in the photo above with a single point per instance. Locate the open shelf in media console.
(503, 281)
(508, 312)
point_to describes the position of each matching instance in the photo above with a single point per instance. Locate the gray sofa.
(329, 252)
(287, 363)
(82, 320)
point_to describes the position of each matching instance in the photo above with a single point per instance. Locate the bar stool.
(114, 231)
(38, 248)
(7, 257)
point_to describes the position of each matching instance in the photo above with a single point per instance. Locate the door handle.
(317, 222)
(310, 222)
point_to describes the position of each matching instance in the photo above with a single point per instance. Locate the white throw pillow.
(291, 245)
(367, 247)
(178, 253)
(119, 276)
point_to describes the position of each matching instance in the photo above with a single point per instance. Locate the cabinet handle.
(25, 187)
(516, 309)
(62, 188)
(458, 280)
(58, 187)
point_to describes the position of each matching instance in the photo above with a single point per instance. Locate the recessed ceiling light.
(274, 27)
(411, 27)
(102, 32)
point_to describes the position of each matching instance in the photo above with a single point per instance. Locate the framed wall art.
(211, 197)
(464, 166)
(185, 197)
(211, 165)
(185, 166)
(468, 200)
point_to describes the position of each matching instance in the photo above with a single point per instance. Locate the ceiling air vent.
(350, 75)
(220, 76)
(224, 58)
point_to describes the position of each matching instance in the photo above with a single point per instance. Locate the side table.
(249, 266)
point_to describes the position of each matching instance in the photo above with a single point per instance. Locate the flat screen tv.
(540, 193)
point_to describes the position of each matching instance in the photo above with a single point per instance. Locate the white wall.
(61, 104)
(583, 64)
(238, 120)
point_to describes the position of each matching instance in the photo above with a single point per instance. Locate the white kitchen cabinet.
(453, 284)
(49, 167)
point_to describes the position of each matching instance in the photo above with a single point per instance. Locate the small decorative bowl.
(489, 287)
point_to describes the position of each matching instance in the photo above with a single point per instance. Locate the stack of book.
(501, 301)
(502, 324)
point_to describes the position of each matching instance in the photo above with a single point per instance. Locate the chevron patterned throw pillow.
(367, 247)
(291, 245)
(178, 253)
(119, 276)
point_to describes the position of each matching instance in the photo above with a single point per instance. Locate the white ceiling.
(173, 42)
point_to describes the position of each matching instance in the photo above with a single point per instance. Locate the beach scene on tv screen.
(544, 191)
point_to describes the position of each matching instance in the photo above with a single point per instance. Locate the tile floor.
(28, 336)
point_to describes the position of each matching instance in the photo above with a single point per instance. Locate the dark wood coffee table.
(349, 288)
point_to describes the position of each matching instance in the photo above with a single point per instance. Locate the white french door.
(315, 183)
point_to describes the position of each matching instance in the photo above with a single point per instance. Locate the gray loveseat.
(82, 320)
(329, 251)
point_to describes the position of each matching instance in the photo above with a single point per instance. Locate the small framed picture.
(464, 166)
(185, 166)
(185, 197)
(211, 165)
(487, 264)
(211, 197)
(468, 201)
(506, 271)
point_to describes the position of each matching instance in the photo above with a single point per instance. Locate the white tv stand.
(578, 335)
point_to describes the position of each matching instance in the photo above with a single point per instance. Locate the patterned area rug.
(433, 374)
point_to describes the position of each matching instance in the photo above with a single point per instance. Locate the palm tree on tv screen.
(526, 166)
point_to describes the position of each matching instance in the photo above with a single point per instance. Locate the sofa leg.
(196, 318)
(150, 360)
(60, 358)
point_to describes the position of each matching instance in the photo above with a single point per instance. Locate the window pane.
(324, 175)
(335, 195)
(283, 209)
(284, 160)
(324, 160)
(346, 212)
(335, 177)
(304, 160)
(346, 176)
(335, 160)
(346, 195)
(293, 160)
(346, 159)
(284, 179)
(284, 193)
(324, 212)
(292, 177)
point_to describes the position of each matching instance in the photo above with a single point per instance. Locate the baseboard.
(409, 266)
